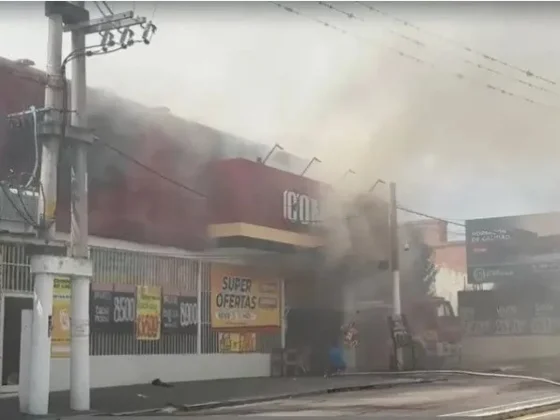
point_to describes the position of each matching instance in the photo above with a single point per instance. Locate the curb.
(330, 390)
(522, 412)
(172, 408)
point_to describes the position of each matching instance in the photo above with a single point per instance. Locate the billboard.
(514, 248)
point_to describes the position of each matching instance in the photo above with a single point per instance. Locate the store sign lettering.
(300, 208)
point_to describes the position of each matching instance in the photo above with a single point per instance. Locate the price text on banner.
(100, 307)
(179, 314)
(148, 313)
(243, 299)
(123, 314)
(60, 335)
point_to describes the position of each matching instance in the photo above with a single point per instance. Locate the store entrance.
(12, 305)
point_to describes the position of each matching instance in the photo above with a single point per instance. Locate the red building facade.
(169, 185)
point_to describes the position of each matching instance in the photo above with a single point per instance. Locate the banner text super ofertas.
(241, 299)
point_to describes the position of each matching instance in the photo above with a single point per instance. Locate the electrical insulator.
(107, 40)
(126, 38)
(149, 31)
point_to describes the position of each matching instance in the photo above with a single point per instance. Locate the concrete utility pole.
(394, 258)
(68, 17)
(79, 351)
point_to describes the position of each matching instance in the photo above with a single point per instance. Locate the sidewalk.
(146, 397)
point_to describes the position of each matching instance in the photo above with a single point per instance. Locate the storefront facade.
(186, 285)
(171, 313)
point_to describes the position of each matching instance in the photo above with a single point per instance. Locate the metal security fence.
(131, 268)
(14, 268)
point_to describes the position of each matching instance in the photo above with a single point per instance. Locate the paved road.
(146, 397)
(456, 398)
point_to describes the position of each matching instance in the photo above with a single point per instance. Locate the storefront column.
(199, 309)
(349, 309)
(284, 313)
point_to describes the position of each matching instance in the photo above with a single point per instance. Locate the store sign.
(300, 208)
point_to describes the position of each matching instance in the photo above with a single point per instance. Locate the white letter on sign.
(290, 206)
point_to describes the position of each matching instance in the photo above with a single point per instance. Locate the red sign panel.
(250, 192)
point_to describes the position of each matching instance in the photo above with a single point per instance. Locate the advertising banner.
(245, 342)
(123, 316)
(514, 249)
(243, 299)
(60, 333)
(506, 313)
(148, 313)
(100, 307)
(179, 314)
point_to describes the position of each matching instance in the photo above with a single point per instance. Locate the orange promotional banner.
(60, 333)
(243, 299)
(245, 342)
(148, 313)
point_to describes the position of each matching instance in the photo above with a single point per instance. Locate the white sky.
(457, 149)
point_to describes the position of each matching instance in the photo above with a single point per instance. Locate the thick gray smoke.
(355, 103)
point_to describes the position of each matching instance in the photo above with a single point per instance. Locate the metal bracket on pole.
(87, 23)
(118, 21)
(72, 133)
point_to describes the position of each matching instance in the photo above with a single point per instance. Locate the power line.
(108, 7)
(354, 16)
(419, 43)
(151, 170)
(104, 14)
(99, 8)
(439, 219)
(488, 57)
(413, 58)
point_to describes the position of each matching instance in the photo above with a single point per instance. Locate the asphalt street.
(454, 398)
(449, 397)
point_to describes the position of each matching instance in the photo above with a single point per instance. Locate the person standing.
(337, 364)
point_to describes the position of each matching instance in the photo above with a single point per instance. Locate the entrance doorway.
(12, 305)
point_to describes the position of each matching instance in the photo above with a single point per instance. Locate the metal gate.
(134, 268)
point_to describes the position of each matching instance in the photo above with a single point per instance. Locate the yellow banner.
(237, 342)
(240, 299)
(148, 313)
(60, 333)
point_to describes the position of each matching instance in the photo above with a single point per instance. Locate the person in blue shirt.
(336, 359)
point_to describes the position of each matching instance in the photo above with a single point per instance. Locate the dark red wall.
(244, 191)
(128, 202)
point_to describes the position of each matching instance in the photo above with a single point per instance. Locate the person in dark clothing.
(336, 359)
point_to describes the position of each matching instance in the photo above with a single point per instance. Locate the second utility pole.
(79, 343)
(394, 259)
